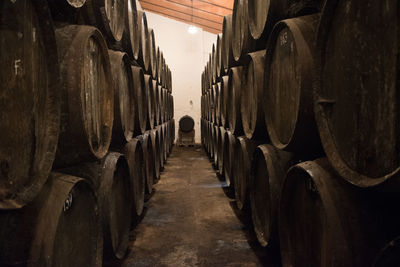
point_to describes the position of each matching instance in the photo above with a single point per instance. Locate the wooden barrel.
(228, 157)
(220, 150)
(217, 104)
(156, 103)
(227, 55)
(152, 53)
(253, 119)
(144, 51)
(166, 141)
(209, 74)
(87, 122)
(134, 154)
(149, 162)
(243, 161)
(339, 224)
(63, 201)
(173, 131)
(123, 125)
(218, 57)
(161, 140)
(288, 98)
(154, 136)
(215, 145)
(169, 81)
(296, 8)
(213, 64)
(269, 169)
(262, 16)
(165, 104)
(107, 16)
(30, 100)
(164, 66)
(110, 178)
(160, 104)
(241, 42)
(224, 100)
(149, 101)
(160, 57)
(356, 114)
(65, 10)
(139, 88)
(236, 85)
(213, 101)
(131, 37)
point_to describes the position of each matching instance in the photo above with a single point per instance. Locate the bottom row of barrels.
(83, 214)
(304, 208)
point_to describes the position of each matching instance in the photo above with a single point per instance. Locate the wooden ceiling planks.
(206, 14)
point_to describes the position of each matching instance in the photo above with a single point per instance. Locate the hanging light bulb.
(192, 29)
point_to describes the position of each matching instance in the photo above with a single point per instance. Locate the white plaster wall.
(186, 55)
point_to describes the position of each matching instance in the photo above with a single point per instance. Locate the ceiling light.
(192, 29)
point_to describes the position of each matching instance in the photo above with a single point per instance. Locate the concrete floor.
(190, 221)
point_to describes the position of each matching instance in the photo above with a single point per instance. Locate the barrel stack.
(299, 119)
(87, 123)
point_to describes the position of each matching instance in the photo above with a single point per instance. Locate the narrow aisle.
(190, 221)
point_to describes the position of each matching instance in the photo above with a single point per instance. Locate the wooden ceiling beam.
(185, 10)
(205, 25)
(205, 6)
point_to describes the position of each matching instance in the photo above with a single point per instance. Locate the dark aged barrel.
(156, 103)
(320, 219)
(115, 198)
(288, 103)
(186, 124)
(269, 169)
(63, 201)
(213, 103)
(156, 150)
(123, 125)
(65, 10)
(213, 149)
(218, 57)
(242, 42)
(134, 154)
(152, 53)
(111, 180)
(262, 16)
(144, 51)
(149, 98)
(166, 140)
(356, 111)
(209, 69)
(236, 84)
(30, 100)
(297, 8)
(243, 160)
(213, 64)
(107, 16)
(217, 108)
(161, 140)
(228, 157)
(224, 98)
(161, 107)
(227, 56)
(139, 88)
(215, 145)
(253, 119)
(88, 96)
(131, 36)
(165, 104)
(148, 158)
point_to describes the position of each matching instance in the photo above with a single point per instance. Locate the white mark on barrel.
(13, 1)
(284, 38)
(17, 66)
(68, 202)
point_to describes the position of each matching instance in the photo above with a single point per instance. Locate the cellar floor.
(190, 221)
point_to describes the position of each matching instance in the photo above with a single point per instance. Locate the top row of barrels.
(316, 73)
